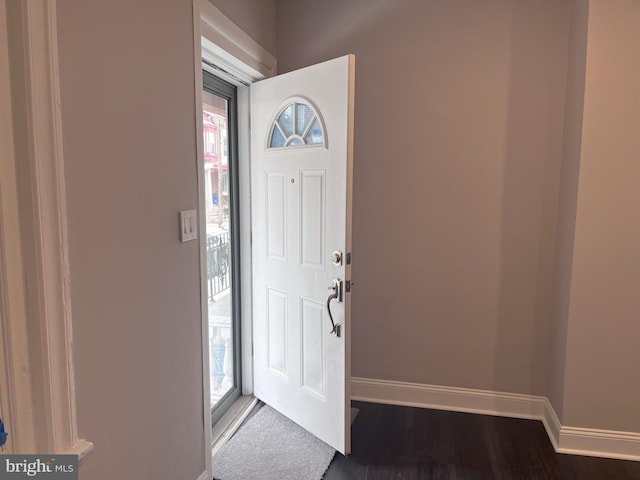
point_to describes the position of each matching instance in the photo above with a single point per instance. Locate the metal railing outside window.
(218, 260)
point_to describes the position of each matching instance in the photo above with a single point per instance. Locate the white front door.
(301, 155)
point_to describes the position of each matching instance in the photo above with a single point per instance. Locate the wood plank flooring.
(391, 442)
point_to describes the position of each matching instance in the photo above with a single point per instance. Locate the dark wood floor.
(390, 442)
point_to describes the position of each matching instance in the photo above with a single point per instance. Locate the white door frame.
(237, 58)
(15, 396)
(29, 55)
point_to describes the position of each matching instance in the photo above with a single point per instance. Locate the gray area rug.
(272, 447)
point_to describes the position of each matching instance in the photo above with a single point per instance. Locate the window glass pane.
(315, 134)
(286, 120)
(218, 243)
(277, 140)
(296, 121)
(304, 114)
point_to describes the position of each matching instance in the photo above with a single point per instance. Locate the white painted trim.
(16, 396)
(51, 352)
(565, 439)
(551, 424)
(204, 476)
(246, 263)
(204, 308)
(447, 398)
(230, 48)
(600, 443)
(349, 248)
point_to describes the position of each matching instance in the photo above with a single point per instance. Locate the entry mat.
(269, 446)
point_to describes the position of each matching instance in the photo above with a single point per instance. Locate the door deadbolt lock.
(336, 258)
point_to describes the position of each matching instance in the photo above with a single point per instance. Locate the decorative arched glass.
(296, 125)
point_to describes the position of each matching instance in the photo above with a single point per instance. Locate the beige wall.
(128, 114)
(458, 149)
(602, 377)
(460, 113)
(567, 202)
(256, 17)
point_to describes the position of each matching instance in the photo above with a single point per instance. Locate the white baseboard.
(551, 424)
(447, 398)
(570, 440)
(600, 443)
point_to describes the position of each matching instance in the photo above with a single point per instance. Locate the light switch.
(188, 225)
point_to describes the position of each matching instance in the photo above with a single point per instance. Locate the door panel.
(301, 154)
(277, 331)
(276, 215)
(312, 218)
(313, 347)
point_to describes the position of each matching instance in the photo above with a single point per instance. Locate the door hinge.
(348, 260)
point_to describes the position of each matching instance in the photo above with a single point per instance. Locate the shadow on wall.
(537, 89)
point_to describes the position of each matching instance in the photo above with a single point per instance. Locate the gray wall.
(460, 113)
(602, 374)
(127, 84)
(458, 149)
(256, 17)
(568, 199)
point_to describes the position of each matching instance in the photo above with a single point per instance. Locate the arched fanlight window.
(296, 125)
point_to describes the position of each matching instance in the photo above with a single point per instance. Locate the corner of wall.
(572, 140)
(565, 439)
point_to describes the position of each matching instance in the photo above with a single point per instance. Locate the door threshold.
(229, 423)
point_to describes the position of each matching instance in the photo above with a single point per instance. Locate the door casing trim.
(43, 229)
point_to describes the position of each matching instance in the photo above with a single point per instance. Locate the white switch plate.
(188, 225)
